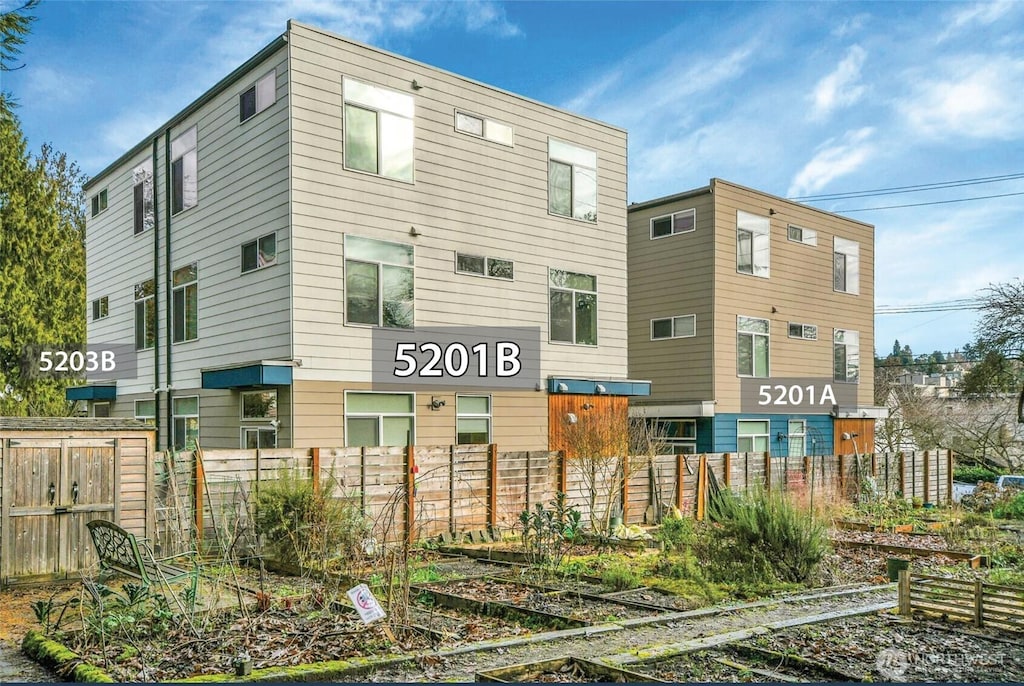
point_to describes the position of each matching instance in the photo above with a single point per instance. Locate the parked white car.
(1010, 481)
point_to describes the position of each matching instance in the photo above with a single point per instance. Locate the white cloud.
(850, 26)
(53, 88)
(974, 97)
(977, 14)
(832, 160)
(841, 88)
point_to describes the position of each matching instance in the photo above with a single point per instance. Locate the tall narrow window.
(184, 172)
(99, 202)
(145, 315)
(379, 283)
(572, 300)
(846, 355)
(185, 303)
(846, 272)
(258, 97)
(185, 422)
(142, 193)
(753, 254)
(572, 181)
(100, 308)
(797, 437)
(752, 346)
(379, 419)
(473, 419)
(752, 436)
(379, 131)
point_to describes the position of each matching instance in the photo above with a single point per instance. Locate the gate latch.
(74, 493)
(62, 509)
(52, 492)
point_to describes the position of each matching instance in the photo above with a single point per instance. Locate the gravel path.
(462, 663)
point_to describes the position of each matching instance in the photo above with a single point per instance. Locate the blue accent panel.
(252, 375)
(91, 393)
(586, 387)
(818, 439)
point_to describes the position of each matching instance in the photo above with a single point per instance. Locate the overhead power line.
(923, 204)
(943, 306)
(895, 190)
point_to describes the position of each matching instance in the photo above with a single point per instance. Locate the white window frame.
(758, 230)
(847, 252)
(801, 433)
(680, 445)
(801, 235)
(184, 148)
(379, 415)
(148, 418)
(185, 287)
(99, 202)
(580, 162)
(808, 332)
(487, 261)
(851, 355)
(258, 242)
(380, 265)
(144, 217)
(264, 94)
(258, 430)
(753, 349)
(692, 318)
(692, 213)
(575, 292)
(100, 308)
(100, 403)
(241, 405)
(175, 417)
(489, 416)
(146, 301)
(385, 103)
(767, 435)
(490, 129)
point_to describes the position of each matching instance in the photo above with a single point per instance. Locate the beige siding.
(469, 195)
(519, 418)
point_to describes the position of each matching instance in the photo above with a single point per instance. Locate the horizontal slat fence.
(970, 600)
(423, 491)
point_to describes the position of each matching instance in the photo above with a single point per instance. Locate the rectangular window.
(797, 437)
(752, 244)
(379, 132)
(473, 419)
(484, 128)
(684, 326)
(145, 315)
(100, 308)
(145, 411)
(185, 303)
(678, 435)
(185, 418)
(259, 253)
(379, 283)
(572, 181)
(484, 266)
(259, 97)
(572, 300)
(101, 409)
(752, 346)
(142, 197)
(184, 172)
(752, 436)
(259, 438)
(99, 202)
(846, 355)
(846, 272)
(808, 332)
(798, 234)
(379, 419)
(259, 405)
(671, 224)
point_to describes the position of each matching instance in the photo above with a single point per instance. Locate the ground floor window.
(186, 422)
(258, 437)
(379, 419)
(145, 411)
(678, 435)
(797, 437)
(473, 419)
(101, 409)
(752, 436)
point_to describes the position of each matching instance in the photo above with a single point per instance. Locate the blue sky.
(791, 98)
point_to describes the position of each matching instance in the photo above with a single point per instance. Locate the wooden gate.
(51, 488)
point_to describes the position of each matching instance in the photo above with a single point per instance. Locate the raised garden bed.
(562, 670)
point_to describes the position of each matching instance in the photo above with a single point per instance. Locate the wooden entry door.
(51, 488)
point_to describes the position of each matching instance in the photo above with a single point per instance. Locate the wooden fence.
(422, 491)
(969, 600)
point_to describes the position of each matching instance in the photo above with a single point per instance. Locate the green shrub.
(766, 532)
(306, 524)
(621, 577)
(974, 473)
(1010, 507)
(677, 533)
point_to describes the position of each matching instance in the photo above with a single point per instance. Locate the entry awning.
(76, 393)
(598, 387)
(256, 374)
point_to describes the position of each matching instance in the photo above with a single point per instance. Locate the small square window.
(100, 308)
(798, 234)
(259, 253)
(259, 405)
(258, 97)
(99, 202)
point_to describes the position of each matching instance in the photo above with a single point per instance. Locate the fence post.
(492, 486)
(624, 493)
(410, 493)
(315, 468)
(362, 479)
(904, 592)
(702, 486)
(680, 465)
(902, 462)
(978, 607)
(842, 476)
(728, 469)
(767, 471)
(927, 476)
(563, 472)
(874, 465)
(451, 488)
(197, 496)
(949, 475)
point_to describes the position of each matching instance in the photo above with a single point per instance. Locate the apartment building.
(753, 316)
(252, 249)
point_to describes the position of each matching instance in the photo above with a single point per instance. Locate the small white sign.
(367, 606)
